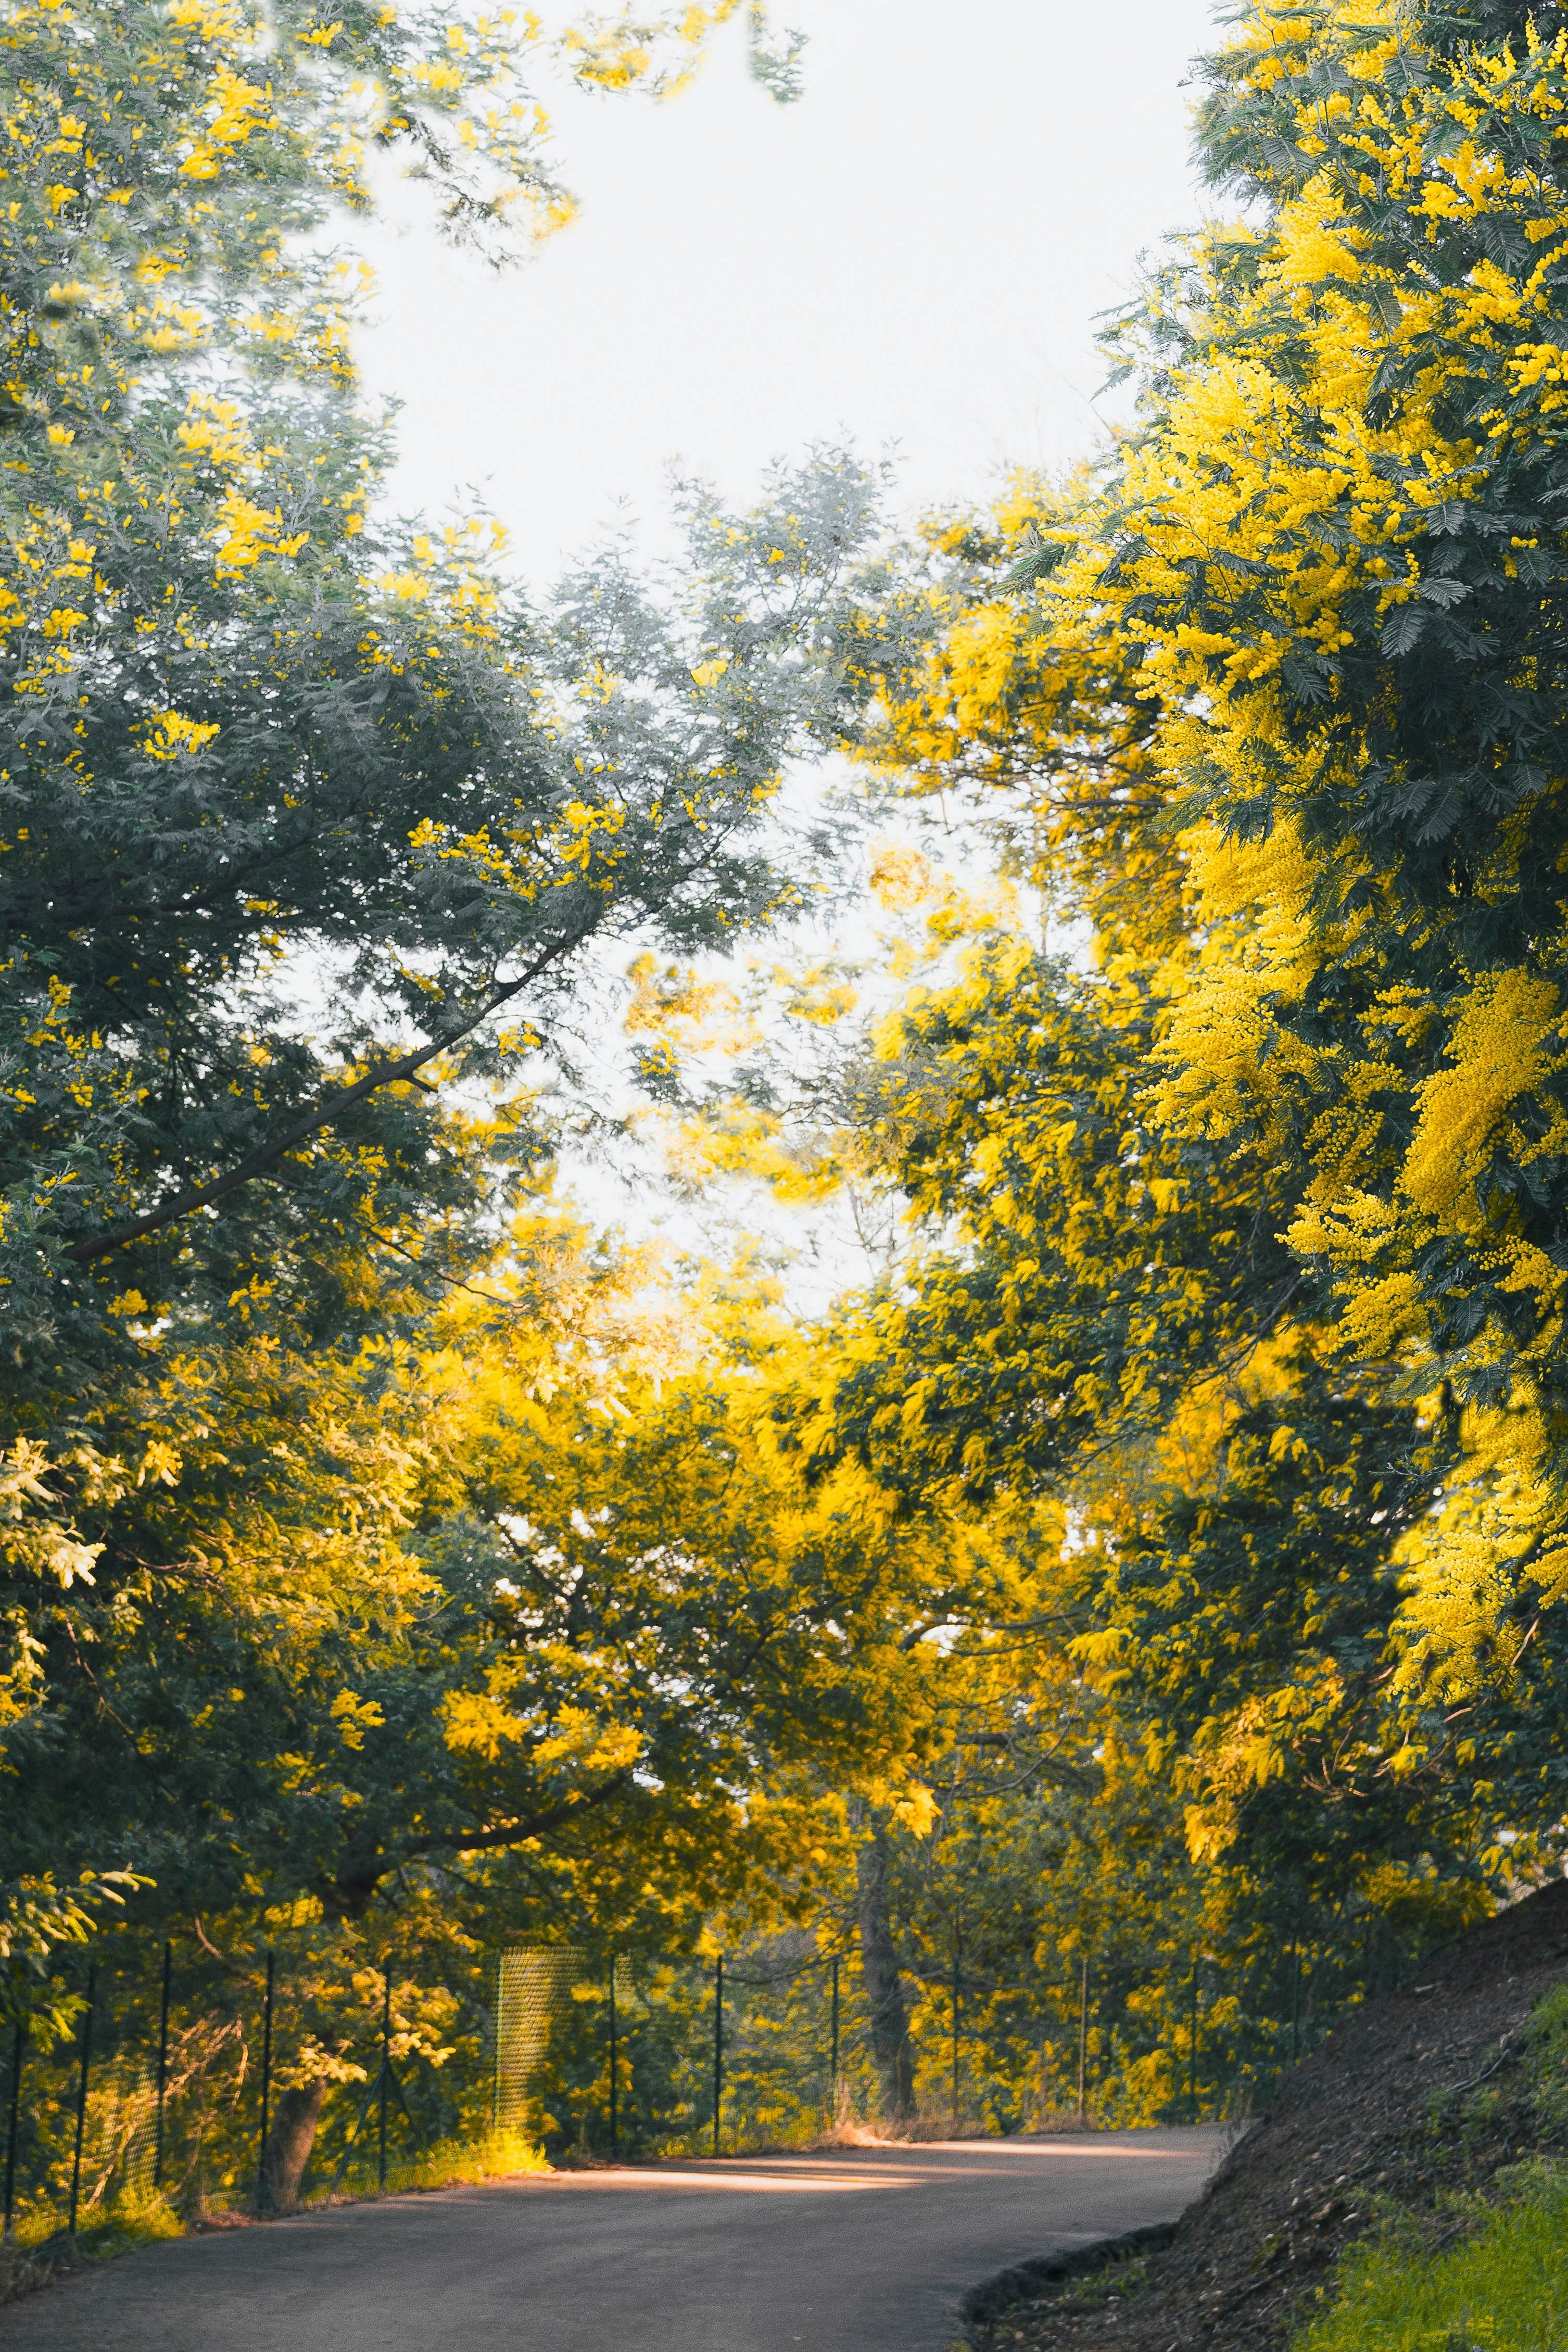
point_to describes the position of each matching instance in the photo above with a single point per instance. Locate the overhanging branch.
(497, 1835)
(311, 1122)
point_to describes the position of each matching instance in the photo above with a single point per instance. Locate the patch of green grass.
(452, 2163)
(143, 2222)
(1503, 2289)
(1546, 2055)
(129, 2221)
(41, 2249)
(1111, 2284)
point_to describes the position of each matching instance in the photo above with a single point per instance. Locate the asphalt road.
(860, 2249)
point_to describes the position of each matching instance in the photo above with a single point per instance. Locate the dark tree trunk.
(289, 2144)
(890, 2047)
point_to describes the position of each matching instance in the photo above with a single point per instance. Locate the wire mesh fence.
(641, 2058)
(278, 2076)
(659, 2058)
(220, 2086)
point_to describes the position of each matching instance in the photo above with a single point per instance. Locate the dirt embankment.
(1412, 2097)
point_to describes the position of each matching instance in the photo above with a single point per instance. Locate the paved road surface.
(862, 2249)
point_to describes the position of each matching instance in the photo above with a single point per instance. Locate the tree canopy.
(1154, 1564)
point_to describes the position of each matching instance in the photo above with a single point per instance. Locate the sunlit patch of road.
(832, 2173)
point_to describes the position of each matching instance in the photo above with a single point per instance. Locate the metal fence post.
(266, 2086)
(1192, 2051)
(835, 2068)
(718, 2044)
(162, 2066)
(614, 2135)
(1083, 2042)
(385, 2073)
(495, 2039)
(953, 2101)
(19, 2052)
(81, 2093)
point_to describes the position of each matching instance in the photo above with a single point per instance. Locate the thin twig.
(1454, 2088)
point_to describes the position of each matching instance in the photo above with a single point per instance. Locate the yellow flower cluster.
(173, 733)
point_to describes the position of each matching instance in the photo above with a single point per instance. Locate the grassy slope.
(1504, 2287)
(1501, 2283)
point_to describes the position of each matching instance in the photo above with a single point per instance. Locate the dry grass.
(935, 2121)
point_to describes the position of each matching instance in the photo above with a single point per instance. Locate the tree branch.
(310, 1122)
(505, 1834)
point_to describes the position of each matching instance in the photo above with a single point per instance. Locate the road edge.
(1021, 2281)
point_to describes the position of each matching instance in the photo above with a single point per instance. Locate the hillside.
(1414, 2098)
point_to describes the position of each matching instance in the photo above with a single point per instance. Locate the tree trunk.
(884, 1986)
(291, 2137)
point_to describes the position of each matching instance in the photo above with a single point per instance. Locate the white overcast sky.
(910, 255)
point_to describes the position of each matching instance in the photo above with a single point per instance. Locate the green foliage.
(387, 1575)
(1504, 2288)
(1104, 1335)
(1242, 1242)
(38, 1922)
(263, 753)
(1546, 2055)
(1101, 1262)
(358, 1620)
(1061, 1898)
(296, 801)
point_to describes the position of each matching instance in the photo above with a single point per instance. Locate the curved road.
(857, 2249)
